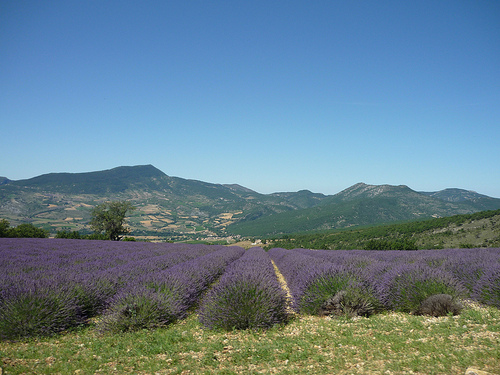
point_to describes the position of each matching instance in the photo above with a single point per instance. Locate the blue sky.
(272, 95)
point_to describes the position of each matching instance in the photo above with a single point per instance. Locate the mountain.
(302, 198)
(177, 208)
(114, 180)
(479, 201)
(362, 205)
(166, 206)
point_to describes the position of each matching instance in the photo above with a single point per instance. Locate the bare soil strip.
(284, 285)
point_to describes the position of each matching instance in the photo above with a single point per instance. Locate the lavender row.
(248, 295)
(313, 282)
(50, 263)
(160, 298)
(399, 280)
(50, 255)
(476, 270)
(48, 285)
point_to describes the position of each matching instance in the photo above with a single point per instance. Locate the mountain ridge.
(362, 204)
(175, 207)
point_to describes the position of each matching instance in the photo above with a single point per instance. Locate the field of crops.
(53, 285)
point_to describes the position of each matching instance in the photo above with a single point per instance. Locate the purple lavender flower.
(49, 285)
(487, 289)
(405, 287)
(248, 295)
(313, 280)
(162, 297)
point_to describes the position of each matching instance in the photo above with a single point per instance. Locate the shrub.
(75, 235)
(248, 295)
(340, 289)
(487, 289)
(439, 305)
(37, 310)
(139, 308)
(348, 303)
(27, 230)
(405, 287)
(394, 244)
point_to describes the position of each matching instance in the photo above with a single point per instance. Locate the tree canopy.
(25, 230)
(109, 217)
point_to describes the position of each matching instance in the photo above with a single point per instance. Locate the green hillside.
(180, 209)
(167, 207)
(102, 182)
(362, 205)
(481, 229)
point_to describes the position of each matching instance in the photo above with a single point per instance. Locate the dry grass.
(390, 343)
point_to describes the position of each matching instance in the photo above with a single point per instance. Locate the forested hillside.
(481, 229)
(362, 205)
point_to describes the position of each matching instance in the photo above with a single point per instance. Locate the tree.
(109, 218)
(4, 228)
(26, 230)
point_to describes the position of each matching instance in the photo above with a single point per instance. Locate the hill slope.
(167, 206)
(102, 182)
(177, 208)
(478, 201)
(363, 204)
(481, 229)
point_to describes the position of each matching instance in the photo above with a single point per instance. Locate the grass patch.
(388, 343)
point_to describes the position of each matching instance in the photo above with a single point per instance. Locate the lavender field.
(49, 286)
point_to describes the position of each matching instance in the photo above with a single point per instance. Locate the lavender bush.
(358, 298)
(140, 308)
(92, 292)
(405, 287)
(37, 309)
(469, 265)
(297, 269)
(50, 285)
(439, 305)
(160, 298)
(314, 280)
(197, 275)
(248, 295)
(487, 289)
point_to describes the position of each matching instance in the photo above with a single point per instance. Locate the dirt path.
(284, 285)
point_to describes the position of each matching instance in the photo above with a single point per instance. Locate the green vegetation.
(481, 229)
(109, 218)
(76, 235)
(363, 205)
(180, 209)
(394, 343)
(114, 180)
(21, 231)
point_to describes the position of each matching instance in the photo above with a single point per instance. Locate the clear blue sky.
(272, 95)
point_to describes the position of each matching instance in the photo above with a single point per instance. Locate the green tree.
(4, 228)
(27, 230)
(109, 218)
